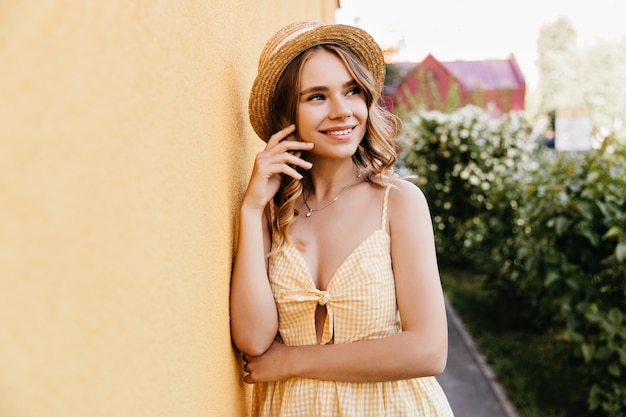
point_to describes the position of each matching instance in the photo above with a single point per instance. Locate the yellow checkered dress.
(361, 304)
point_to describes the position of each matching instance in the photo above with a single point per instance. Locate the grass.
(535, 367)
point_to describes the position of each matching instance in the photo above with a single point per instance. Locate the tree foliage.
(575, 77)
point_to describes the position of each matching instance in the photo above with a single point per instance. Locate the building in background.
(496, 85)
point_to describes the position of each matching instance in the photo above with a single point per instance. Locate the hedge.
(548, 229)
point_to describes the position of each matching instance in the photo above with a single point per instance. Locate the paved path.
(468, 381)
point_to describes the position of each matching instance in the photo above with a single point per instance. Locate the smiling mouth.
(338, 132)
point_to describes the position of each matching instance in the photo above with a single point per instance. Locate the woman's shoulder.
(406, 196)
(402, 188)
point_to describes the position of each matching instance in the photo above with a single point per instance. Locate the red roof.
(487, 75)
(485, 83)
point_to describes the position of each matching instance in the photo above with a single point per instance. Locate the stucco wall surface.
(125, 148)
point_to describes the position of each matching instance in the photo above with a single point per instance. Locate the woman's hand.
(273, 365)
(276, 159)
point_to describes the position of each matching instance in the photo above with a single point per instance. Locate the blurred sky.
(480, 29)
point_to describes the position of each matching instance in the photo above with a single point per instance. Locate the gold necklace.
(311, 210)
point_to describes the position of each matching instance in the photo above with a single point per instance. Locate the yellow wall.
(125, 147)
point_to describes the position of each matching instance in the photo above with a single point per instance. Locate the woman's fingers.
(281, 134)
(247, 377)
(280, 157)
(280, 142)
(283, 163)
(270, 366)
(288, 146)
(288, 158)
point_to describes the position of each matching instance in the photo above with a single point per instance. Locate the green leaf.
(595, 397)
(562, 224)
(613, 231)
(594, 317)
(603, 353)
(620, 251)
(572, 283)
(615, 315)
(584, 209)
(591, 236)
(587, 351)
(621, 351)
(614, 369)
(551, 277)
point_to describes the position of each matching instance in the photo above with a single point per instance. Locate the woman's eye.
(354, 91)
(316, 97)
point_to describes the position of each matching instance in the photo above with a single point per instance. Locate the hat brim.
(270, 70)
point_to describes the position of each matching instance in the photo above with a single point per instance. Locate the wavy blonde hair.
(375, 155)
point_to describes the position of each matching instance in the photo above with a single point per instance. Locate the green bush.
(547, 232)
(467, 164)
(572, 255)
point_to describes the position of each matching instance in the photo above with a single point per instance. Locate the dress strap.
(383, 223)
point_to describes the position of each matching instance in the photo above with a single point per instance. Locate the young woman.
(336, 300)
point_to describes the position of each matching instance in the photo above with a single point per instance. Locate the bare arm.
(419, 350)
(253, 314)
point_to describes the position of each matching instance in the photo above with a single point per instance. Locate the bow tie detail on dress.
(324, 297)
(327, 334)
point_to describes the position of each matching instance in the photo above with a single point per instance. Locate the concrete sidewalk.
(468, 381)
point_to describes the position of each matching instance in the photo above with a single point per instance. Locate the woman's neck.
(328, 179)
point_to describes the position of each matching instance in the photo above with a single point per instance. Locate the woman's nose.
(340, 110)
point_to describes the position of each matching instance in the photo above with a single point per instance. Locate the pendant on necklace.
(311, 210)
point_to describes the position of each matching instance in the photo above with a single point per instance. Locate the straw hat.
(287, 44)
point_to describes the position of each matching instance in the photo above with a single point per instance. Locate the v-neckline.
(341, 264)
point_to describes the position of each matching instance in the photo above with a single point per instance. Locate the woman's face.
(332, 111)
